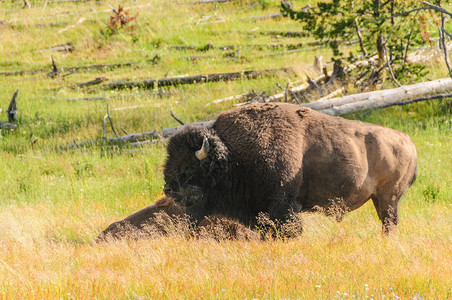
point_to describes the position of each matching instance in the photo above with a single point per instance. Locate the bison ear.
(202, 153)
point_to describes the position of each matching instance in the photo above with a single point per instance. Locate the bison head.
(197, 161)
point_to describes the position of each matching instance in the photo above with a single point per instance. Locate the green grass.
(53, 205)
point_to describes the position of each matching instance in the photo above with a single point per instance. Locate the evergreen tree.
(386, 32)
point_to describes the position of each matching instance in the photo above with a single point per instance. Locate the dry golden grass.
(348, 259)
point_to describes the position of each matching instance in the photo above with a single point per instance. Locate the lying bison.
(165, 216)
(144, 222)
(282, 158)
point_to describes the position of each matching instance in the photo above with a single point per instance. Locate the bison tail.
(414, 177)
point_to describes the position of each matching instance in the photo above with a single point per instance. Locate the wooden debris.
(253, 97)
(11, 113)
(209, 1)
(273, 46)
(339, 106)
(318, 64)
(27, 4)
(294, 91)
(263, 17)
(96, 81)
(12, 109)
(55, 71)
(62, 48)
(231, 98)
(314, 85)
(152, 83)
(134, 137)
(67, 1)
(286, 33)
(380, 99)
(107, 117)
(332, 94)
(71, 69)
(176, 118)
(89, 98)
(40, 25)
(7, 125)
(338, 71)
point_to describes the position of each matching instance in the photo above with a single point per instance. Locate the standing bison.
(282, 158)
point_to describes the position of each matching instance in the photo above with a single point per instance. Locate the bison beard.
(283, 158)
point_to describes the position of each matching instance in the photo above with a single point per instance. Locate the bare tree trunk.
(380, 40)
(378, 99)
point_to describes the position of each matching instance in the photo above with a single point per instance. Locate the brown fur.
(148, 221)
(136, 223)
(278, 158)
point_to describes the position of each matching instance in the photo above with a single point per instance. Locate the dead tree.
(11, 113)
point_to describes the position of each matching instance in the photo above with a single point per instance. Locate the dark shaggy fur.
(165, 217)
(283, 158)
(137, 224)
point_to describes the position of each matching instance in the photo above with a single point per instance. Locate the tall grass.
(350, 259)
(53, 205)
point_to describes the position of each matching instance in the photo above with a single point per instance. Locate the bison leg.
(281, 215)
(281, 209)
(387, 210)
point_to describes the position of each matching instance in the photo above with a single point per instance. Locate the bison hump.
(267, 136)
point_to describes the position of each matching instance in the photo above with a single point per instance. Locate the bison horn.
(202, 153)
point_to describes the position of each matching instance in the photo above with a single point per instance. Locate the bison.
(165, 216)
(280, 158)
(138, 224)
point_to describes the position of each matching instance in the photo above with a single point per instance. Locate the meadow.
(54, 203)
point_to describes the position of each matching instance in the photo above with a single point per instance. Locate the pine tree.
(385, 31)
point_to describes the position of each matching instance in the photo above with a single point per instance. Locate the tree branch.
(388, 63)
(442, 37)
(405, 13)
(360, 38)
(107, 116)
(176, 118)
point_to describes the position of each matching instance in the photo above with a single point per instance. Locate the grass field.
(54, 204)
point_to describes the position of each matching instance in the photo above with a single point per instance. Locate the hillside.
(54, 203)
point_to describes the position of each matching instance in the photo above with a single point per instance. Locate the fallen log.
(134, 137)
(158, 93)
(286, 33)
(291, 46)
(440, 88)
(70, 69)
(97, 80)
(7, 125)
(67, 1)
(59, 48)
(208, 2)
(321, 84)
(89, 98)
(333, 94)
(263, 17)
(377, 99)
(152, 83)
